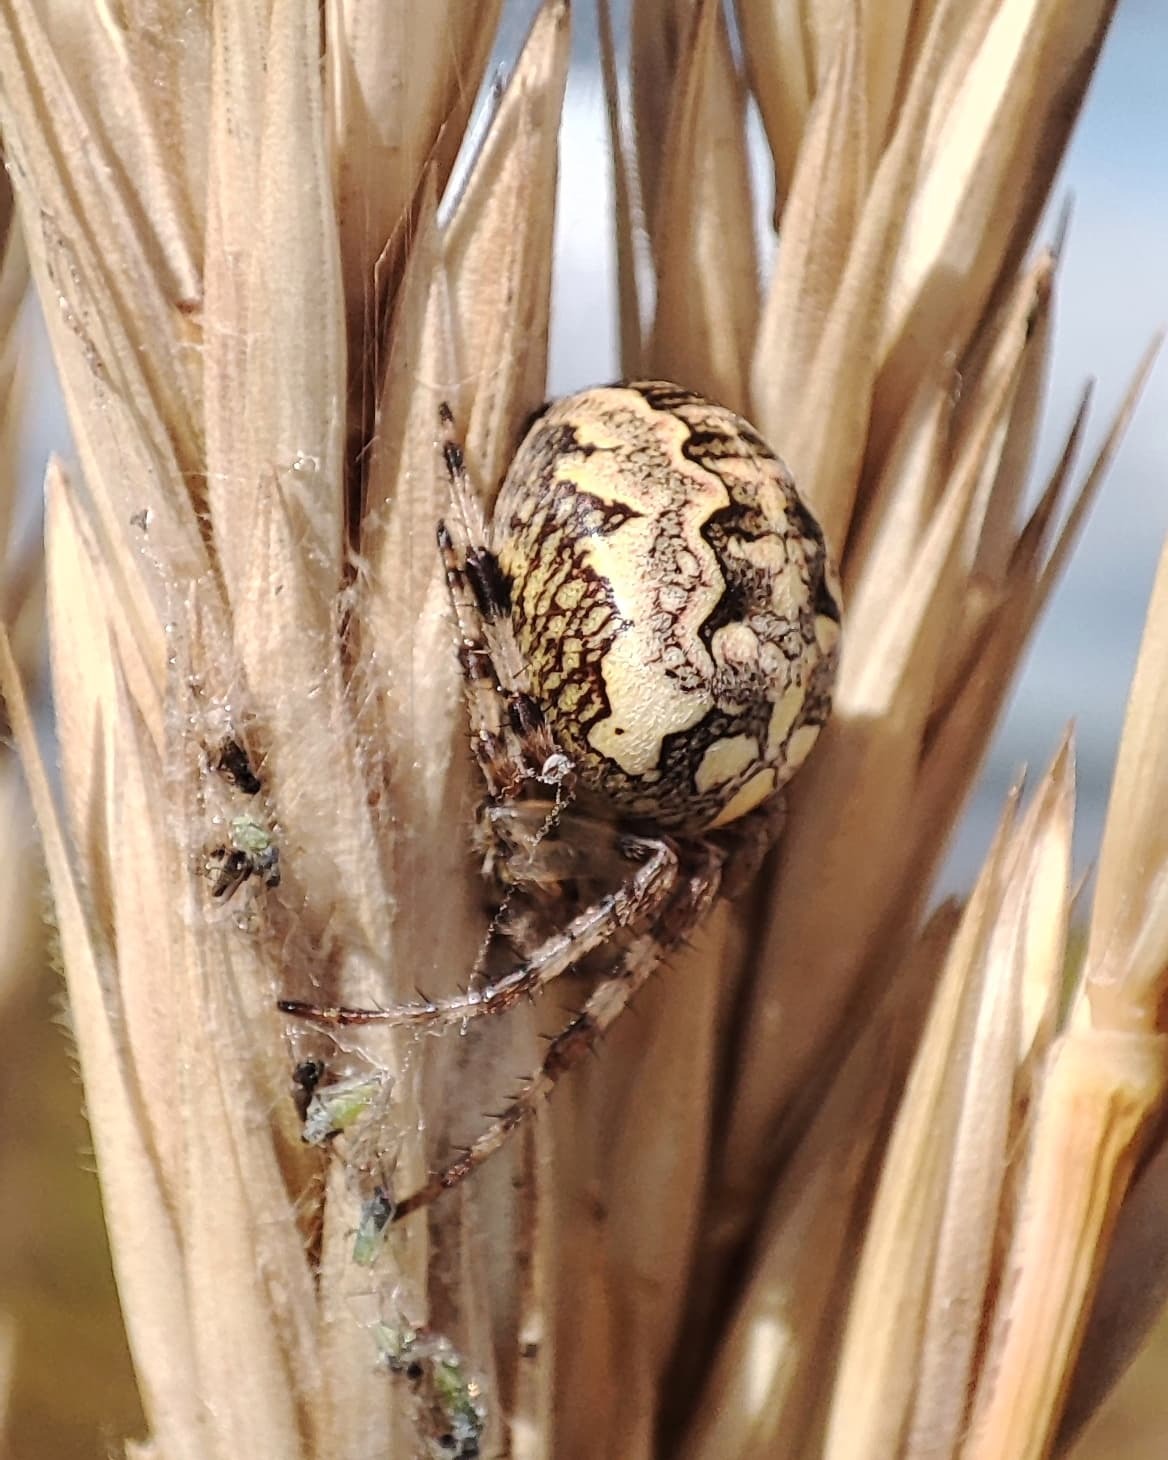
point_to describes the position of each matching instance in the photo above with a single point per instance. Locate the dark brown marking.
(525, 715)
(475, 661)
(305, 1078)
(232, 763)
(824, 601)
(570, 1047)
(491, 590)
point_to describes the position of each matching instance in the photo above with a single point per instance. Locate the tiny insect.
(648, 630)
(332, 1107)
(376, 1215)
(306, 1078)
(249, 852)
(232, 762)
(452, 1396)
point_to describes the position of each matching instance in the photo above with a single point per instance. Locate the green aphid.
(376, 1215)
(334, 1108)
(250, 852)
(452, 1398)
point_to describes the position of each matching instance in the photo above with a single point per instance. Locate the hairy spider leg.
(511, 740)
(610, 998)
(637, 900)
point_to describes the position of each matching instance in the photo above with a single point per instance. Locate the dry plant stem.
(140, 1225)
(1096, 1100)
(765, 1394)
(883, 703)
(706, 263)
(392, 64)
(883, 1339)
(1127, 951)
(958, 719)
(926, 1276)
(1106, 1083)
(1131, 1298)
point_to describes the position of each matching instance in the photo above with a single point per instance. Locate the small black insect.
(233, 764)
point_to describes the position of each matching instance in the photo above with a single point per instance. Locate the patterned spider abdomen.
(673, 599)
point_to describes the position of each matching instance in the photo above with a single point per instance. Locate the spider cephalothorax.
(648, 629)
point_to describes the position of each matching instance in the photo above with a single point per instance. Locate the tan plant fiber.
(21, 609)
(843, 1182)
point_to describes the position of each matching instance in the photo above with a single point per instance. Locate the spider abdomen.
(672, 597)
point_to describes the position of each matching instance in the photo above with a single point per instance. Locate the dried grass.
(845, 1187)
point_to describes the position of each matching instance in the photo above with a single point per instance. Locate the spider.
(648, 630)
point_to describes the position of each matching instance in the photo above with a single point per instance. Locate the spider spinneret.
(648, 630)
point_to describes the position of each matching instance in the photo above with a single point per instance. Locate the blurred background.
(56, 1295)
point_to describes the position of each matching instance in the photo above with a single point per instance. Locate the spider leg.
(638, 899)
(509, 735)
(684, 910)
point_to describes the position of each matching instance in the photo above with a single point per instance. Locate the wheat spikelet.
(813, 1199)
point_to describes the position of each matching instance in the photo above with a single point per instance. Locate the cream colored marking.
(799, 746)
(768, 554)
(788, 593)
(735, 644)
(725, 760)
(569, 594)
(595, 621)
(746, 798)
(646, 703)
(783, 716)
(772, 500)
(646, 707)
(827, 633)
